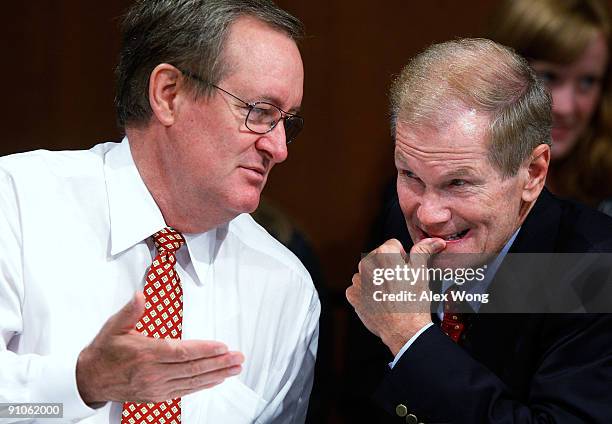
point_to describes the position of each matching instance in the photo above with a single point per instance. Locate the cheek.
(587, 104)
(408, 198)
(507, 207)
(495, 206)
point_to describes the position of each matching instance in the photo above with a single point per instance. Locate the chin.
(245, 204)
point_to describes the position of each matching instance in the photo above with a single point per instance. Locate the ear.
(163, 89)
(537, 168)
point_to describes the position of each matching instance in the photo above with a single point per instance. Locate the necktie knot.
(168, 240)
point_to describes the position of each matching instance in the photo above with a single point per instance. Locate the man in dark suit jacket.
(472, 136)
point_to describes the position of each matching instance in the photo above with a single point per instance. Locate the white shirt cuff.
(408, 344)
(57, 383)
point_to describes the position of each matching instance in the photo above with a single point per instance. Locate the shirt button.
(401, 410)
(411, 419)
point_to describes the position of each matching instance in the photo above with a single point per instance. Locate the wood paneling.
(58, 60)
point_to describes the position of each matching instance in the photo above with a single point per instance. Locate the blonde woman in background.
(568, 43)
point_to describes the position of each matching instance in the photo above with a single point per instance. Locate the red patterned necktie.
(453, 322)
(162, 318)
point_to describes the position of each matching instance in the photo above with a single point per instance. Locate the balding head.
(479, 75)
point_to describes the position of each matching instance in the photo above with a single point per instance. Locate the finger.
(125, 320)
(202, 366)
(199, 382)
(182, 393)
(391, 246)
(174, 350)
(350, 295)
(424, 249)
(353, 290)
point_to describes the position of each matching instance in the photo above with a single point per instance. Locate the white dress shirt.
(75, 245)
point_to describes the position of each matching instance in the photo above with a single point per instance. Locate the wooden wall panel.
(58, 59)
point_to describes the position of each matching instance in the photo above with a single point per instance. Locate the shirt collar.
(201, 248)
(134, 215)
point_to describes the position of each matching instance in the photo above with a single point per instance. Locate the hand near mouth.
(383, 318)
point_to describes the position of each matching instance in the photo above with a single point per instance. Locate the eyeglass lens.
(263, 117)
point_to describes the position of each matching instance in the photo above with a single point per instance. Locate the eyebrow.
(460, 172)
(400, 159)
(275, 101)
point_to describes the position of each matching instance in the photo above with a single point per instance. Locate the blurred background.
(58, 61)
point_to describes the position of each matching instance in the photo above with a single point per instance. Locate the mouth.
(448, 237)
(256, 169)
(255, 172)
(254, 175)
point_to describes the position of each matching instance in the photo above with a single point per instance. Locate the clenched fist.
(382, 317)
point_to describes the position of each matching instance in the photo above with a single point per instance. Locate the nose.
(564, 100)
(274, 143)
(432, 212)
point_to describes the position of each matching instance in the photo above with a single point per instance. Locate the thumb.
(424, 250)
(126, 318)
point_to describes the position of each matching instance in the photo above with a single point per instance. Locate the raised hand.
(384, 318)
(122, 365)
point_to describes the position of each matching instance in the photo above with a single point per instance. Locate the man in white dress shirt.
(208, 94)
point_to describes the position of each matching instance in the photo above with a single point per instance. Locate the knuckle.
(197, 381)
(224, 362)
(348, 294)
(390, 246)
(361, 264)
(195, 368)
(180, 352)
(149, 380)
(418, 248)
(395, 243)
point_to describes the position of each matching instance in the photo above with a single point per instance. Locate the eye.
(587, 82)
(262, 113)
(409, 176)
(256, 112)
(457, 182)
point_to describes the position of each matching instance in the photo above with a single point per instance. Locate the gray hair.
(482, 75)
(189, 34)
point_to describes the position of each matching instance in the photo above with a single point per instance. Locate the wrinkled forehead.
(459, 147)
(454, 129)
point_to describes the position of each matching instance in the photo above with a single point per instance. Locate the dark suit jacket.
(512, 368)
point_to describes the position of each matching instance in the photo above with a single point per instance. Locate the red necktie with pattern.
(162, 318)
(453, 322)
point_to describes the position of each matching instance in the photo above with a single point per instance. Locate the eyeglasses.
(262, 117)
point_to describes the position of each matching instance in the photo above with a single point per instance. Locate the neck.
(154, 161)
(524, 210)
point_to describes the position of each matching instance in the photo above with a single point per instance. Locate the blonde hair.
(559, 32)
(482, 75)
